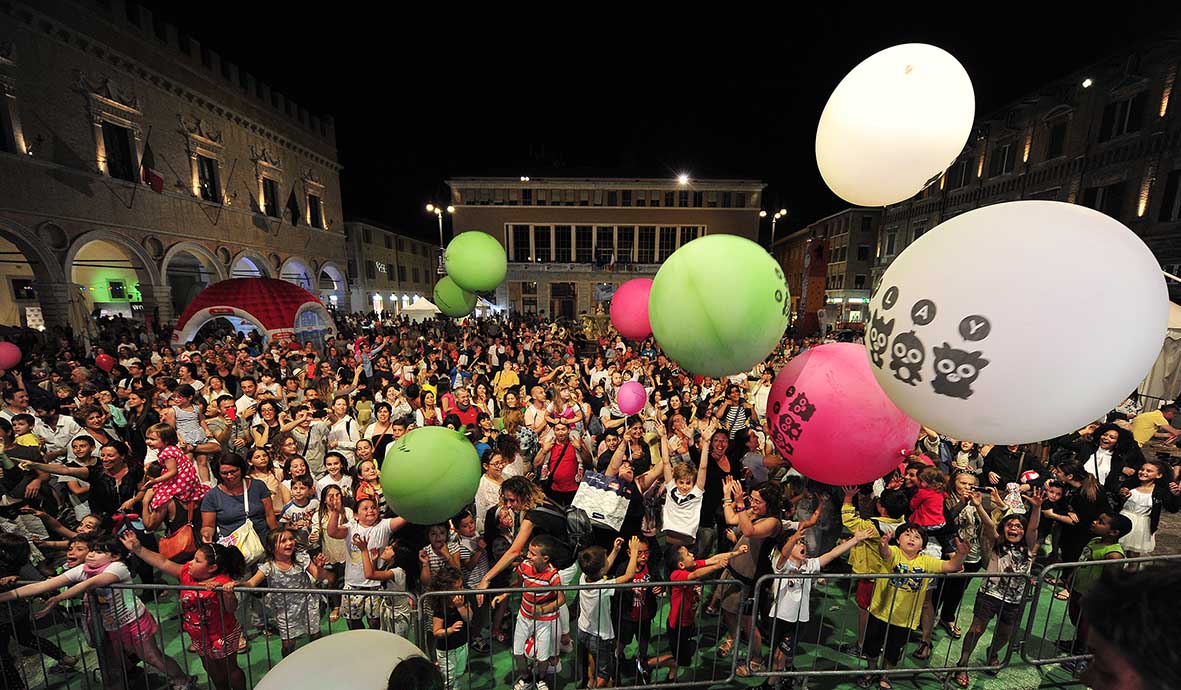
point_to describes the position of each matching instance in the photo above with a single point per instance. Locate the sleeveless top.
(188, 425)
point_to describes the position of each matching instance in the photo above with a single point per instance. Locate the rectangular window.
(1170, 209)
(414, 273)
(668, 199)
(866, 225)
(917, 232)
(1002, 160)
(401, 244)
(891, 239)
(584, 239)
(957, 174)
(668, 243)
(541, 244)
(117, 288)
(612, 198)
(859, 282)
(604, 243)
(7, 142)
(1108, 199)
(727, 199)
(1056, 142)
(740, 200)
(371, 270)
(521, 243)
(642, 198)
(23, 290)
(584, 198)
(625, 237)
(402, 274)
(367, 235)
(698, 199)
(207, 179)
(683, 199)
(526, 197)
(1122, 117)
(626, 198)
(688, 234)
(562, 243)
(647, 250)
(863, 252)
(117, 142)
(315, 212)
(389, 241)
(270, 197)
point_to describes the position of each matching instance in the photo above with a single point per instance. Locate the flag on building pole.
(151, 177)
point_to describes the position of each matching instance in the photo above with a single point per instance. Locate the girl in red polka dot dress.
(179, 480)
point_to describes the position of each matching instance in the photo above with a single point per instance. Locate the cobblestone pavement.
(1168, 535)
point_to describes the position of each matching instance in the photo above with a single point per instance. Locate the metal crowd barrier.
(1041, 624)
(1061, 644)
(764, 600)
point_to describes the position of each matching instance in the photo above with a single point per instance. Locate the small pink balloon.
(10, 356)
(827, 415)
(629, 309)
(632, 397)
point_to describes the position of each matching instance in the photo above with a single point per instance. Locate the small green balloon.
(453, 300)
(719, 305)
(430, 474)
(476, 261)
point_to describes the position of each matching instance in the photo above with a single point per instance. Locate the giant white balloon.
(894, 124)
(1017, 322)
(355, 659)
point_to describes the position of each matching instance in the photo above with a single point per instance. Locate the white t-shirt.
(378, 537)
(345, 484)
(791, 594)
(594, 610)
(117, 607)
(682, 514)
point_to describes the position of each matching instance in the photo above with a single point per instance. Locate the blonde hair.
(513, 419)
(683, 471)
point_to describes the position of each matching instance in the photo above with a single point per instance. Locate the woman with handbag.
(238, 512)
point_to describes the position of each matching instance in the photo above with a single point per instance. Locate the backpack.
(579, 532)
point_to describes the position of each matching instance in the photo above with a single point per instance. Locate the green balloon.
(719, 305)
(430, 474)
(476, 261)
(453, 300)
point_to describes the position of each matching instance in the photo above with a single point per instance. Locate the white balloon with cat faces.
(1017, 322)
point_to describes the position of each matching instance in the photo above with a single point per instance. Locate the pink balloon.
(629, 309)
(632, 397)
(10, 355)
(827, 415)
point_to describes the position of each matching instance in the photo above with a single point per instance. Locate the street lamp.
(683, 179)
(774, 219)
(438, 211)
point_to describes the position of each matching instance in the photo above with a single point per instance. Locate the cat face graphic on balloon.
(955, 369)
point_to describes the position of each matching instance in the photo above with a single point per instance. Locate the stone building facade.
(387, 271)
(245, 182)
(1107, 136)
(572, 241)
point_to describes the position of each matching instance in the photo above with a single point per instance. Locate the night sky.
(591, 89)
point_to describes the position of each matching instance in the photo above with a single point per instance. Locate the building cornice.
(66, 36)
(639, 183)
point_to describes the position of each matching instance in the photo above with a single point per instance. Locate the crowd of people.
(230, 462)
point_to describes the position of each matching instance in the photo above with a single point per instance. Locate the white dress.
(1138, 509)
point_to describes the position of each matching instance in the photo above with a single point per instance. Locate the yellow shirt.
(1145, 425)
(30, 440)
(864, 557)
(505, 380)
(899, 600)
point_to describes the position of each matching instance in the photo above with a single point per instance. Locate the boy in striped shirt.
(537, 630)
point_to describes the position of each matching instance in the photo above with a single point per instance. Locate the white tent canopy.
(1164, 379)
(421, 310)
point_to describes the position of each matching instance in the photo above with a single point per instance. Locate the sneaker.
(1076, 666)
(541, 685)
(865, 682)
(521, 684)
(643, 677)
(480, 646)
